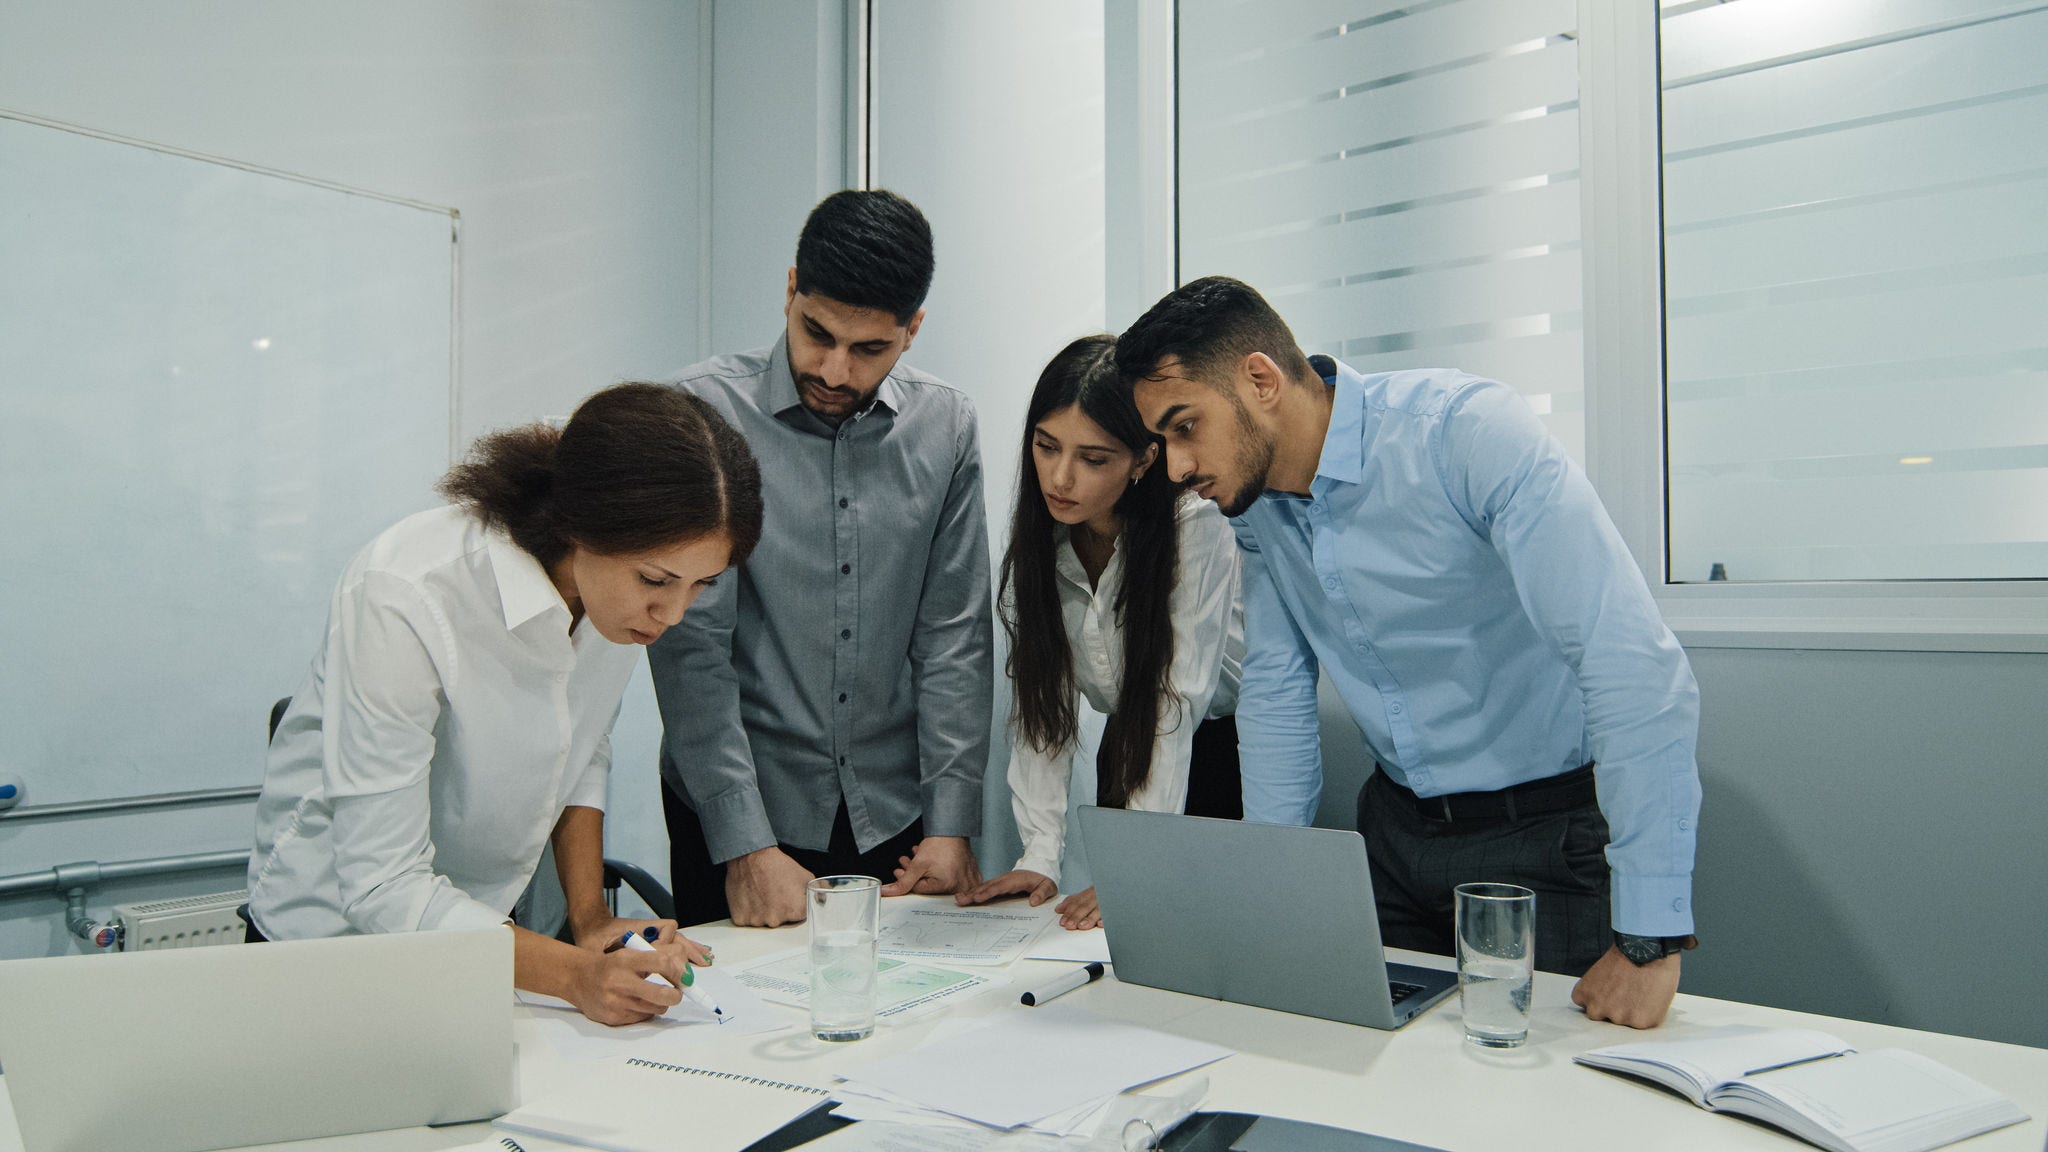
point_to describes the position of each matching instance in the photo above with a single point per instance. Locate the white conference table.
(1424, 1083)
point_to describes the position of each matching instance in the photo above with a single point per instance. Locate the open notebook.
(1817, 1088)
(635, 1105)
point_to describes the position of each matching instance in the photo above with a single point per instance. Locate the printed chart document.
(1031, 1062)
(636, 1105)
(903, 990)
(1083, 947)
(1817, 1088)
(974, 936)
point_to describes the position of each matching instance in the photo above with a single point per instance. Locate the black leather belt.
(1573, 789)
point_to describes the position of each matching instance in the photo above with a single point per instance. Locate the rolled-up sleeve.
(952, 650)
(1583, 591)
(381, 662)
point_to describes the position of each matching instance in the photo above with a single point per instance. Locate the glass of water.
(845, 916)
(1496, 929)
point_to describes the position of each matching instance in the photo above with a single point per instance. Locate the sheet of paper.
(1057, 943)
(1029, 1063)
(903, 991)
(577, 1037)
(973, 936)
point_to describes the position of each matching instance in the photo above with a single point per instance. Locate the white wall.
(567, 135)
(990, 118)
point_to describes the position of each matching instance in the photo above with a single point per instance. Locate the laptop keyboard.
(1402, 991)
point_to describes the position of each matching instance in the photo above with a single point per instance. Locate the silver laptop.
(1262, 914)
(200, 1048)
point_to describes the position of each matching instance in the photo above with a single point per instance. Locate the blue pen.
(641, 941)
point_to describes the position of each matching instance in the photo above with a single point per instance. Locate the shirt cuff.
(1652, 905)
(462, 913)
(952, 808)
(735, 823)
(1048, 866)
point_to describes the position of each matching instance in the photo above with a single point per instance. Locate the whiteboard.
(216, 384)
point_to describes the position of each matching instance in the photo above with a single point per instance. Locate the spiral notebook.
(635, 1105)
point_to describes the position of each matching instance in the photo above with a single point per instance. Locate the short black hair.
(869, 249)
(1209, 325)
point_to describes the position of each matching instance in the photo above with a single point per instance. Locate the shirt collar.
(789, 407)
(1343, 458)
(524, 588)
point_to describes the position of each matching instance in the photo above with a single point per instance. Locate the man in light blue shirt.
(1421, 538)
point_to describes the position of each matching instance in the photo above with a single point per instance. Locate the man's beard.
(1254, 461)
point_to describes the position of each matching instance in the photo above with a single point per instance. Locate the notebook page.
(639, 1106)
(1858, 1096)
(1724, 1056)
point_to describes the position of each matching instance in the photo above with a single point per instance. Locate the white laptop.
(202, 1048)
(1262, 914)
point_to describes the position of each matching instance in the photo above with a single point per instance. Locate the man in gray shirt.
(825, 708)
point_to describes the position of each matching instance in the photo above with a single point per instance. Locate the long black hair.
(1041, 663)
(638, 467)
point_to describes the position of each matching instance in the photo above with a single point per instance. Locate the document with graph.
(974, 936)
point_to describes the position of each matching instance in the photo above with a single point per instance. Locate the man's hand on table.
(938, 864)
(765, 889)
(1035, 887)
(1615, 990)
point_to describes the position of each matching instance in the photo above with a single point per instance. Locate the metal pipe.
(130, 803)
(86, 873)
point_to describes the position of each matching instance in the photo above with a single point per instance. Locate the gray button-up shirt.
(851, 657)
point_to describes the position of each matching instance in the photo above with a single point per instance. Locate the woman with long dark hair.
(1121, 587)
(457, 717)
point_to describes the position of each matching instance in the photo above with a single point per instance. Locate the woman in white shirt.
(457, 717)
(1119, 585)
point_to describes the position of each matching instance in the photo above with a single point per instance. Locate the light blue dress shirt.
(1453, 571)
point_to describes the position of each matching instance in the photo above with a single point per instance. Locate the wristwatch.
(1641, 950)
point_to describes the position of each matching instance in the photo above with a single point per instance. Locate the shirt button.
(1685, 825)
(561, 677)
(842, 697)
(1316, 509)
(842, 761)
(1330, 583)
(842, 501)
(845, 568)
(1393, 709)
(846, 633)
(1678, 905)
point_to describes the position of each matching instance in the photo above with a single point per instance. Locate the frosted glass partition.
(1856, 264)
(219, 384)
(1399, 179)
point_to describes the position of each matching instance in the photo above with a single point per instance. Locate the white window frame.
(1621, 176)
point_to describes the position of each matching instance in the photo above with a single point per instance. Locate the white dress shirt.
(446, 721)
(1208, 650)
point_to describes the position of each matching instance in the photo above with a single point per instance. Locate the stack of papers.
(1041, 1067)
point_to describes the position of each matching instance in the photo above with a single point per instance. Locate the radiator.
(188, 922)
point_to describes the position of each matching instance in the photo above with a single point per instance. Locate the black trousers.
(1416, 862)
(699, 884)
(1214, 787)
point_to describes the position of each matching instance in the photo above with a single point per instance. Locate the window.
(1400, 180)
(1856, 289)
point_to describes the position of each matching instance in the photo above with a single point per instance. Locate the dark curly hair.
(1209, 325)
(639, 467)
(870, 249)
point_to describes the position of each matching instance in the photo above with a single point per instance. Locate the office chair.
(616, 872)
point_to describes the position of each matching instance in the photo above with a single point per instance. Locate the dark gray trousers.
(1416, 863)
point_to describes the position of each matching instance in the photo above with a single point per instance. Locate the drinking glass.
(1496, 929)
(845, 917)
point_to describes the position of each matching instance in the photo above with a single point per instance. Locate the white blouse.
(1207, 607)
(447, 719)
